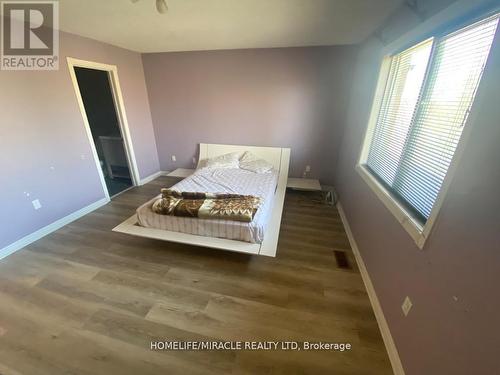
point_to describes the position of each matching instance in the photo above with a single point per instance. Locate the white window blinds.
(428, 95)
(396, 112)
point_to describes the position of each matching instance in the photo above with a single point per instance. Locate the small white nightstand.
(306, 184)
(181, 173)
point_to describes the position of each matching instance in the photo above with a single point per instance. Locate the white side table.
(306, 184)
(181, 173)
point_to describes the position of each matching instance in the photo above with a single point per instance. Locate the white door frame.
(114, 82)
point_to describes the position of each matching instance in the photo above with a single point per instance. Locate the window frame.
(421, 232)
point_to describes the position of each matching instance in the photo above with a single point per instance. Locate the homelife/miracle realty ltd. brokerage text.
(249, 345)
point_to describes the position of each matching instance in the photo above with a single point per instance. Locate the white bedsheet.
(236, 181)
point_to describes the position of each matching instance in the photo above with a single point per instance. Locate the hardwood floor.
(85, 300)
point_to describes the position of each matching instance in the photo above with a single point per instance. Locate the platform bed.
(278, 157)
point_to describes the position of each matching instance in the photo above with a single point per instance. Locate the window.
(428, 91)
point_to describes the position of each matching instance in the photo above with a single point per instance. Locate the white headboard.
(270, 154)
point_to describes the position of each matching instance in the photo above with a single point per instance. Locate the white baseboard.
(152, 177)
(392, 351)
(25, 241)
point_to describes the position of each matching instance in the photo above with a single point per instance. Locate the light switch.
(36, 204)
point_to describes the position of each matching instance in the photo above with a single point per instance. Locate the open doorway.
(96, 88)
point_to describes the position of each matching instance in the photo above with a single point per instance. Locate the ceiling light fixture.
(161, 6)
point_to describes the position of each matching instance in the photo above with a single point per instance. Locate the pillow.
(250, 162)
(230, 160)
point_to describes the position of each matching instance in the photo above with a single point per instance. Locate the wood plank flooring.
(86, 300)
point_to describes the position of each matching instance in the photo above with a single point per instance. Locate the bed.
(260, 236)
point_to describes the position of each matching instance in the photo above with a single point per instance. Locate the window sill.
(409, 223)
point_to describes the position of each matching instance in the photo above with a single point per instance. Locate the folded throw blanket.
(207, 205)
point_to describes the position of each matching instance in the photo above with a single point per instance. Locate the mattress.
(235, 181)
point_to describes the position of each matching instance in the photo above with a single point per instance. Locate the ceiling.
(191, 25)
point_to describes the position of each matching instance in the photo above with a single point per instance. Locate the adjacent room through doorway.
(97, 96)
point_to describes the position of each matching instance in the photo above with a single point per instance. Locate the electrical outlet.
(36, 204)
(174, 158)
(406, 306)
(308, 168)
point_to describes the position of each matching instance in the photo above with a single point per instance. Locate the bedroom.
(360, 228)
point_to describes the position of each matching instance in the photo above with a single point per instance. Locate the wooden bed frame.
(278, 157)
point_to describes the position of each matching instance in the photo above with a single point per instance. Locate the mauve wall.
(41, 127)
(462, 256)
(290, 97)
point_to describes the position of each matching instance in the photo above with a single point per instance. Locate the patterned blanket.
(207, 205)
